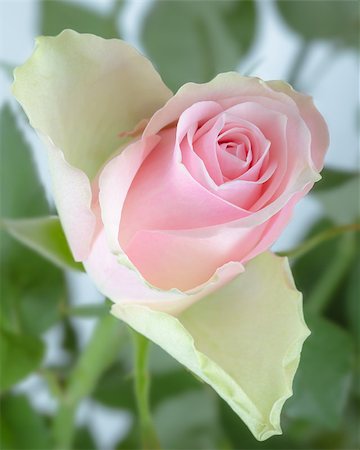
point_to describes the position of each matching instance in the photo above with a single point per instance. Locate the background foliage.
(187, 40)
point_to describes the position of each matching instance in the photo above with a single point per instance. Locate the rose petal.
(313, 119)
(184, 259)
(80, 91)
(244, 340)
(171, 185)
(119, 280)
(225, 88)
(73, 198)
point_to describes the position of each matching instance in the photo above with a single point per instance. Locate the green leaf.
(317, 273)
(21, 193)
(336, 21)
(188, 420)
(21, 426)
(57, 15)
(333, 178)
(193, 41)
(322, 384)
(84, 440)
(19, 355)
(115, 389)
(335, 271)
(351, 297)
(341, 204)
(31, 290)
(45, 236)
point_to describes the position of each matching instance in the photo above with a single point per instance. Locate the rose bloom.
(214, 178)
(169, 199)
(209, 183)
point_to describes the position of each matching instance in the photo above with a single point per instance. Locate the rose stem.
(299, 61)
(142, 389)
(314, 241)
(101, 351)
(331, 279)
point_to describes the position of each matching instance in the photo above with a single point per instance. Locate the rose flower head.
(172, 202)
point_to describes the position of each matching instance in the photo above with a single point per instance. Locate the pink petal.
(164, 195)
(123, 284)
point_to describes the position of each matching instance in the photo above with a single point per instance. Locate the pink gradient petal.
(290, 139)
(122, 284)
(204, 146)
(313, 119)
(226, 86)
(175, 200)
(176, 259)
(182, 259)
(114, 183)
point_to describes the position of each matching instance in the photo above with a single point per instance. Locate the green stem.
(335, 271)
(299, 60)
(142, 388)
(98, 355)
(314, 241)
(92, 310)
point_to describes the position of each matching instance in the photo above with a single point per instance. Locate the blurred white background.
(331, 78)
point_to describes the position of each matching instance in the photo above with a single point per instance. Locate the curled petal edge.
(256, 395)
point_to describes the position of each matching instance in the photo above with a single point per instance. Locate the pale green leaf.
(45, 236)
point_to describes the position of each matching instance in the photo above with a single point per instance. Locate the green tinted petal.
(82, 91)
(244, 340)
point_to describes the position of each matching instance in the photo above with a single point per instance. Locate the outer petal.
(119, 280)
(244, 340)
(178, 258)
(79, 92)
(73, 197)
(313, 119)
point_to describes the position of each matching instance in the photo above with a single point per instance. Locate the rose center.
(234, 154)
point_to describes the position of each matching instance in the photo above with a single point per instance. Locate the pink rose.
(205, 185)
(166, 212)
(212, 180)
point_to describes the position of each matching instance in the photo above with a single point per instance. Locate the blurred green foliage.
(203, 38)
(31, 289)
(21, 426)
(336, 21)
(58, 15)
(187, 41)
